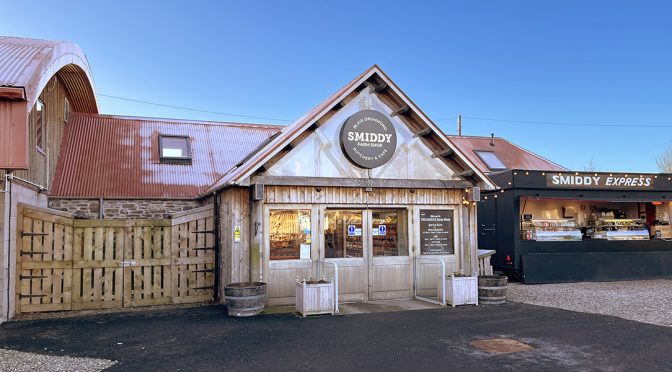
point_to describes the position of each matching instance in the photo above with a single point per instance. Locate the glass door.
(390, 266)
(345, 244)
(371, 248)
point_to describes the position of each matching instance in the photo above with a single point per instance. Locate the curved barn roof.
(31, 63)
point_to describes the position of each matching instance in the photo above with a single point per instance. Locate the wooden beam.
(446, 152)
(466, 173)
(359, 182)
(12, 93)
(401, 111)
(380, 87)
(423, 132)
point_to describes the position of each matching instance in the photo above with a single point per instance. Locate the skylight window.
(491, 160)
(174, 148)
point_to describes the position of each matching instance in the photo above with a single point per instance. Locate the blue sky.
(578, 62)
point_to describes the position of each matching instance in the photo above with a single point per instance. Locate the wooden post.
(256, 240)
(473, 237)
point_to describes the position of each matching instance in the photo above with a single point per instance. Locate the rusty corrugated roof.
(513, 156)
(30, 64)
(118, 157)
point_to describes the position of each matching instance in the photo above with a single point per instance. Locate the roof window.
(491, 160)
(174, 148)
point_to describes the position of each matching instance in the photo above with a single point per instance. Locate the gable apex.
(379, 83)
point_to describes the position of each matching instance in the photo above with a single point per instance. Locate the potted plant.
(461, 289)
(314, 297)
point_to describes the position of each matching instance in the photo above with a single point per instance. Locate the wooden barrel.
(492, 289)
(245, 299)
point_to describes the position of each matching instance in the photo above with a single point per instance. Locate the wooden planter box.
(314, 297)
(460, 290)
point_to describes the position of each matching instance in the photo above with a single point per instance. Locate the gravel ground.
(647, 301)
(17, 361)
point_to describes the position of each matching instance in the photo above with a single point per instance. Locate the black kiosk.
(550, 227)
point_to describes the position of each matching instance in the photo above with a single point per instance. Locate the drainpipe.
(8, 188)
(217, 245)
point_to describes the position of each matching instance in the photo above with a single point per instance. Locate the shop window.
(343, 234)
(39, 125)
(389, 233)
(174, 148)
(290, 234)
(491, 160)
(545, 219)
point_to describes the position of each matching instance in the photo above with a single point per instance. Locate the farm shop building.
(105, 211)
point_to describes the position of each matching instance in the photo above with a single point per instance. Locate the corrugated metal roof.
(513, 156)
(118, 157)
(30, 63)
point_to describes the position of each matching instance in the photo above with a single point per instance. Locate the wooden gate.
(69, 264)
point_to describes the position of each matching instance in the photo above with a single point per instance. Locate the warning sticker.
(236, 234)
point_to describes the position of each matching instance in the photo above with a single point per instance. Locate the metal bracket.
(24, 277)
(31, 296)
(203, 232)
(24, 234)
(203, 271)
(207, 287)
(30, 253)
(203, 249)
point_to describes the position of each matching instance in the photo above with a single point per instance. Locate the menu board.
(436, 231)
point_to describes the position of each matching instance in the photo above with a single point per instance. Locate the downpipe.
(8, 189)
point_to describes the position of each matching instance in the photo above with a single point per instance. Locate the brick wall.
(120, 209)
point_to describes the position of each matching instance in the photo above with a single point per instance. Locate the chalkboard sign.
(436, 231)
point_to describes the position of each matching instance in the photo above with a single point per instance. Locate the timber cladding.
(359, 195)
(69, 264)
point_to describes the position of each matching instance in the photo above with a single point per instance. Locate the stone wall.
(122, 209)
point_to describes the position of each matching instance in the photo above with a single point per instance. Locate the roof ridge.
(179, 121)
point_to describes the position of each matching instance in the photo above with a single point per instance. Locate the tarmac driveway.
(206, 339)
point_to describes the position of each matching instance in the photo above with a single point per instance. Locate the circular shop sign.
(368, 139)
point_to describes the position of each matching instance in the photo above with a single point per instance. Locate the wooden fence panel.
(148, 266)
(193, 257)
(98, 251)
(44, 275)
(68, 264)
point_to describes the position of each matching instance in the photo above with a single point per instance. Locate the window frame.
(40, 146)
(310, 235)
(349, 208)
(487, 164)
(66, 109)
(175, 159)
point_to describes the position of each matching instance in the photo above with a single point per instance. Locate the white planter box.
(314, 297)
(461, 290)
